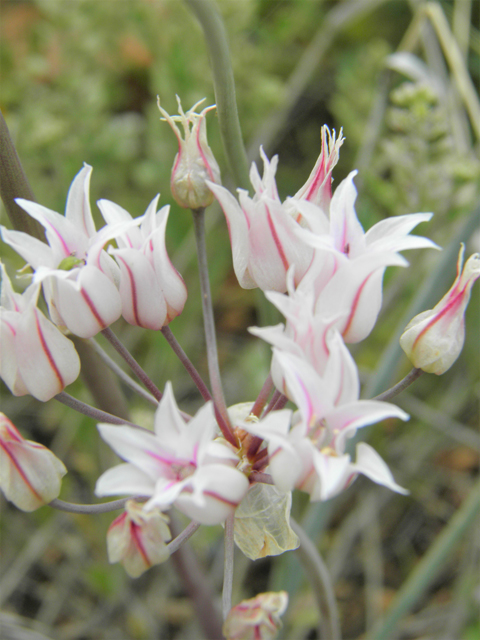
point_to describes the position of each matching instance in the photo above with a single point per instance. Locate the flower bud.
(137, 539)
(434, 339)
(194, 162)
(30, 475)
(257, 618)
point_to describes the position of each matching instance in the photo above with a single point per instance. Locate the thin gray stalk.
(185, 360)
(400, 386)
(197, 586)
(91, 412)
(209, 325)
(132, 363)
(88, 509)
(317, 572)
(126, 379)
(229, 548)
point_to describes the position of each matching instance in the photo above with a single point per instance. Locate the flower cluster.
(85, 288)
(313, 260)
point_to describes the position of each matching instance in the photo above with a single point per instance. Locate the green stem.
(431, 564)
(322, 587)
(400, 386)
(216, 41)
(14, 184)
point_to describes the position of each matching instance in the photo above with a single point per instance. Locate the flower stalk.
(88, 410)
(132, 363)
(185, 360)
(209, 326)
(228, 565)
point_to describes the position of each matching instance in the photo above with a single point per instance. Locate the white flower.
(179, 464)
(151, 289)
(30, 474)
(35, 357)
(78, 277)
(434, 339)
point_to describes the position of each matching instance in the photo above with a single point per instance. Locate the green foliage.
(79, 84)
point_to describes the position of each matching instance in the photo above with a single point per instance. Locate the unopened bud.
(30, 474)
(194, 162)
(434, 339)
(137, 539)
(257, 618)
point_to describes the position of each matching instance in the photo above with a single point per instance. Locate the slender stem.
(197, 586)
(209, 325)
(317, 572)
(262, 396)
(121, 373)
(102, 383)
(228, 565)
(273, 401)
(400, 386)
(91, 412)
(224, 84)
(187, 533)
(280, 403)
(14, 184)
(434, 561)
(132, 363)
(90, 509)
(185, 360)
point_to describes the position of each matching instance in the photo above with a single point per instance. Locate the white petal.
(139, 447)
(216, 491)
(124, 479)
(77, 209)
(371, 465)
(47, 360)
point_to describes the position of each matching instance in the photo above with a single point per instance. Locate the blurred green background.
(79, 82)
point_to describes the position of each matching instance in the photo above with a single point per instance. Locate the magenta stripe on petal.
(92, 308)
(47, 352)
(212, 494)
(134, 530)
(20, 471)
(355, 304)
(276, 239)
(133, 289)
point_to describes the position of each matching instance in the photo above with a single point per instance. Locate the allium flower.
(310, 453)
(151, 289)
(30, 474)
(262, 233)
(263, 229)
(434, 339)
(194, 163)
(305, 333)
(35, 357)
(179, 464)
(318, 188)
(257, 618)
(78, 277)
(137, 539)
(349, 264)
